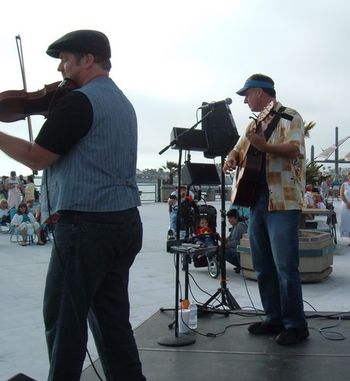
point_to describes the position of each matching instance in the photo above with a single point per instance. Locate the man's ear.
(89, 59)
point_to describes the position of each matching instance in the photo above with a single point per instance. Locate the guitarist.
(274, 215)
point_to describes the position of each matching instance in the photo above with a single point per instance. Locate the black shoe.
(262, 328)
(292, 336)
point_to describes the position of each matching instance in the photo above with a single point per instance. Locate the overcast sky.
(169, 57)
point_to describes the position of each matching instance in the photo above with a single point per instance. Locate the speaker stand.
(227, 300)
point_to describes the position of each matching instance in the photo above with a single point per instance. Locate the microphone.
(205, 105)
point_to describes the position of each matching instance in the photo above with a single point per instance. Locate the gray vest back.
(99, 173)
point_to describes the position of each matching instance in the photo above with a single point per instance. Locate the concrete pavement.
(152, 285)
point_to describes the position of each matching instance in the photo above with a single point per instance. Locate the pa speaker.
(220, 128)
(20, 377)
(200, 174)
(194, 140)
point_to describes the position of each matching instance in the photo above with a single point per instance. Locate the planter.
(316, 250)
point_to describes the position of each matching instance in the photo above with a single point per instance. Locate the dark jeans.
(274, 241)
(233, 257)
(87, 279)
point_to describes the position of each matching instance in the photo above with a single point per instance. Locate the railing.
(148, 192)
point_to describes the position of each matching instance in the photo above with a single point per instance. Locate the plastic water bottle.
(192, 321)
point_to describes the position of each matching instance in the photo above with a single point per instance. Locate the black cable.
(325, 332)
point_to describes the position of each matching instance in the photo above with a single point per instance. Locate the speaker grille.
(194, 140)
(221, 130)
(199, 174)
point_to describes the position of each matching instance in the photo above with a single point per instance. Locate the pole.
(177, 340)
(336, 156)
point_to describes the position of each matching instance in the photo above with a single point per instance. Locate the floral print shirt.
(285, 176)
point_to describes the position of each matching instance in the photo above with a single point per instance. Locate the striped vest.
(99, 173)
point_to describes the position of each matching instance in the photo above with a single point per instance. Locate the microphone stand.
(227, 298)
(178, 340)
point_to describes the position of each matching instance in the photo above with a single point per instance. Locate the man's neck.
(266, 101)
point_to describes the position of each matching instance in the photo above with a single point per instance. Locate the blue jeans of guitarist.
(87, 279)
(274, 242)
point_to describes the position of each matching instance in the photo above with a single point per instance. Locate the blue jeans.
(274, 242)
(172, 219)
(87, 280)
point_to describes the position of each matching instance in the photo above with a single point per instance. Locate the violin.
(18, 104)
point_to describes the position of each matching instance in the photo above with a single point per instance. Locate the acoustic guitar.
(248, 169)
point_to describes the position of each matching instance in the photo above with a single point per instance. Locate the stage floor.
(235, 354)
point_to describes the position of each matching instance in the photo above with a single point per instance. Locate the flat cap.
(81, 41)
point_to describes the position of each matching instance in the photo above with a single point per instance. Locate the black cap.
(81, 41)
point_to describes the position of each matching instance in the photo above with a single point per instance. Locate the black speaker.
(195, 140)
(220, 128)
(200, 174)
(20, 377)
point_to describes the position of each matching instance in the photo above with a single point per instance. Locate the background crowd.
(20, 208)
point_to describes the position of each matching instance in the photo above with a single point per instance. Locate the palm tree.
(308, 127)
(313, 173)
(171, 166)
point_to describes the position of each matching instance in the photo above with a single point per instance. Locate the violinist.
(91, 132)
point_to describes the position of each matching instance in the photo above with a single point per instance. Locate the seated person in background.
(319, 204)
(204, 235)
(238, 228)
(308, 197)
(26, 223)
(173, 207)
(4, 212)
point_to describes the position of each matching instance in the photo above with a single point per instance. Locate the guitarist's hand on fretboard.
(257, 139)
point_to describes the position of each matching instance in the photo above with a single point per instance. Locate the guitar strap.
(269, 130)
(273, 124)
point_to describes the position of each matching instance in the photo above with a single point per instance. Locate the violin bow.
(21, 63)
(23, 72)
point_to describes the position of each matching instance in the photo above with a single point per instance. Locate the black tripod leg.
(226, 298)
(229, 300)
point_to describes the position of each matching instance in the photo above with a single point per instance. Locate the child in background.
(204, 234)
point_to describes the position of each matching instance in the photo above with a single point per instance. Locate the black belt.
(71, 216)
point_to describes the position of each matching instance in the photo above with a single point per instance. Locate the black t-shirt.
(69, 120)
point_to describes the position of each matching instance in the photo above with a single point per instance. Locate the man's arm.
(30, 154)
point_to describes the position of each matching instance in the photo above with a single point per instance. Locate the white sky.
(169, 57)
